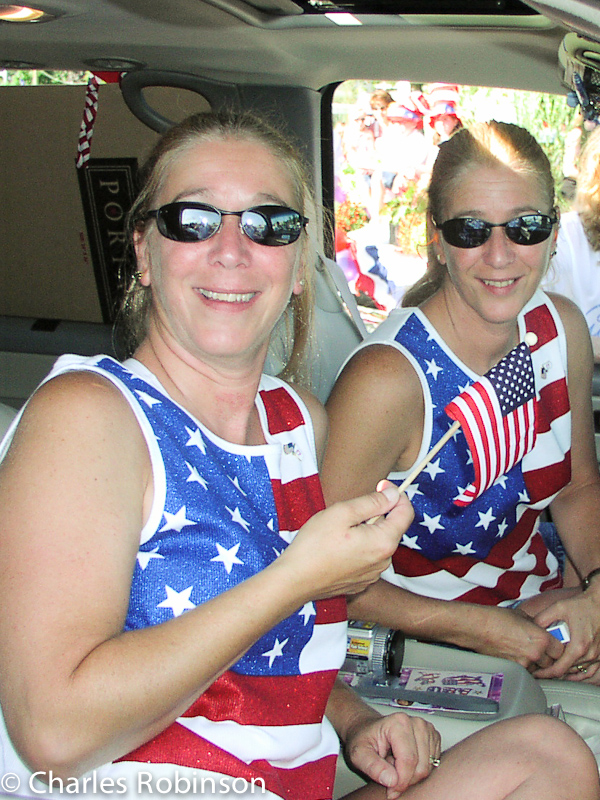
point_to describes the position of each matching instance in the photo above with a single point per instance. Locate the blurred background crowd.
(386, 138)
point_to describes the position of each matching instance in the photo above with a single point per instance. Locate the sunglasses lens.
(274, 226)
(529, 229)
(195, 223)
(466, 232)
(184, 222)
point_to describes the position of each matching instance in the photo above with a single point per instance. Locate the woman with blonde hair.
(474, 569)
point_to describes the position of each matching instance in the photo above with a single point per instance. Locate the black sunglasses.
(467, 232)
(271, 225)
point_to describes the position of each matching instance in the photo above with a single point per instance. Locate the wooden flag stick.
(436, 448)
(423, 463)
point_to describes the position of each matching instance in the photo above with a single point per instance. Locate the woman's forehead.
(478, 185)
(213, 164)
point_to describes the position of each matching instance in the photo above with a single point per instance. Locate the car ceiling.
(280, 42)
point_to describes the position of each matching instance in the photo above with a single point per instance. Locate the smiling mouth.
(499, 284)
(227, 297)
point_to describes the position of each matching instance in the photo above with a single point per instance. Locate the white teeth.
(499, 284)
(227, 297)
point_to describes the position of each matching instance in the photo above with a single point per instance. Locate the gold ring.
(581, 669)
(435, 762)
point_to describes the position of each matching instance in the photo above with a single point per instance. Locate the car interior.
(62, 226)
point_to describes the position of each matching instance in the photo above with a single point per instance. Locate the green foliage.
(407, 218)
(350, 216)
(39, 77)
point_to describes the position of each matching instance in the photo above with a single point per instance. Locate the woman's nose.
(499, 250)
(229, 246)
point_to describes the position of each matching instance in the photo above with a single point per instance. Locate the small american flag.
(497, 415)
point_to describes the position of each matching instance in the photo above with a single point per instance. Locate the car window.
(386, 136)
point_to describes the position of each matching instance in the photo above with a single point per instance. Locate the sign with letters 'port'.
(108, 187)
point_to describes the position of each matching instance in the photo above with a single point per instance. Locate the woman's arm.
(375, 413)
(75, 489)
(576, 510)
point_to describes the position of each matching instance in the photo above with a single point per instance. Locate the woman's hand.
(346, 547)
(581, 658)
(395, 751)
(511, 634)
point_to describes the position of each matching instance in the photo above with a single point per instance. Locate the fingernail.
(387, 778)
(391, 492)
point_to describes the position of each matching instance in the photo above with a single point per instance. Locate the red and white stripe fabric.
(87, 123)
(497, 415)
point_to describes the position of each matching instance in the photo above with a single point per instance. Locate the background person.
(442, 100)
(358, 148)
(401, 152)
(458, 572)
(575, 269)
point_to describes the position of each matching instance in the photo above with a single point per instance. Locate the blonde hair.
(295, 333)
(487, 144)
(587, 199)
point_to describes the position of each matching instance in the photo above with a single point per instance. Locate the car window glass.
(386, 136)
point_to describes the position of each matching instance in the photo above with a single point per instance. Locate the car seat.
(338, 329)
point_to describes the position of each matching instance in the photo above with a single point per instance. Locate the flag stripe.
(497, 416)
(185, 748)
(247, 699)
(283, 413)
(296, 501)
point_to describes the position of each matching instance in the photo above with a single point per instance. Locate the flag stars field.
(276, 651)
(178, 602)
(195, 477)
(236, 516)
(176, 522)
(228, 557)
(144, 558)
(432, 523)
(307, 611)
(195, 439)
(485, 520)
(433, 369)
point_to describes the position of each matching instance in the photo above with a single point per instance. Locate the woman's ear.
(435, 239)
(556, 226)
(298, 287)
(142, 257)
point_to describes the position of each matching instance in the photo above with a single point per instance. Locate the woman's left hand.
(580, 660)
(395, 751)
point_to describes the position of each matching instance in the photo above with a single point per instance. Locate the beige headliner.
(247, 45)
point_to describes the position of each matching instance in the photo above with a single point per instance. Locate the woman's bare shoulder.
(379, 374)
(576, 330)
(77, 405)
